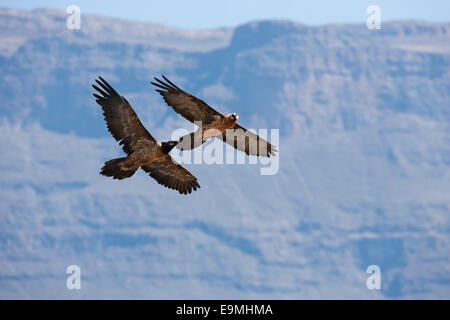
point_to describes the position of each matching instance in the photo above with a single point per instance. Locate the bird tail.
(119, 168)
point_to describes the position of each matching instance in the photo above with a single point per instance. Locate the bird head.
(234, 116)
(168, 146)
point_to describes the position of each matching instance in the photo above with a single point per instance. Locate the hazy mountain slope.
(308, 232)
(19, 26)
(306, 78)
(364, 162)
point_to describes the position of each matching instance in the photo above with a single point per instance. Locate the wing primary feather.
(108, 85)
(178, 185)
(167, 87)
(171, 83)
(162, 82)
(159, 86)
(100, 90)
(103, 86)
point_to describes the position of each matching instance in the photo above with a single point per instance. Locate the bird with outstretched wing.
(143, 151)
(213, 123)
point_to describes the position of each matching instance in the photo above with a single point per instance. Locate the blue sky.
(201, 14)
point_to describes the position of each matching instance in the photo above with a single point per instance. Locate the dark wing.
(121, 120)
(172, 175)
(250, 143)
(189, 106)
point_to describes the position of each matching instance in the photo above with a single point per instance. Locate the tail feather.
(119, 168)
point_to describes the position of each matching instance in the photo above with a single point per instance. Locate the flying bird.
(143, 151)
(214, 124)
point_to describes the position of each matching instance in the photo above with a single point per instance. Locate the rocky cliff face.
(364, 161)
(306, 78)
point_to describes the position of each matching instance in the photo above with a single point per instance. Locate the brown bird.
(214, 124)
(143, 151)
